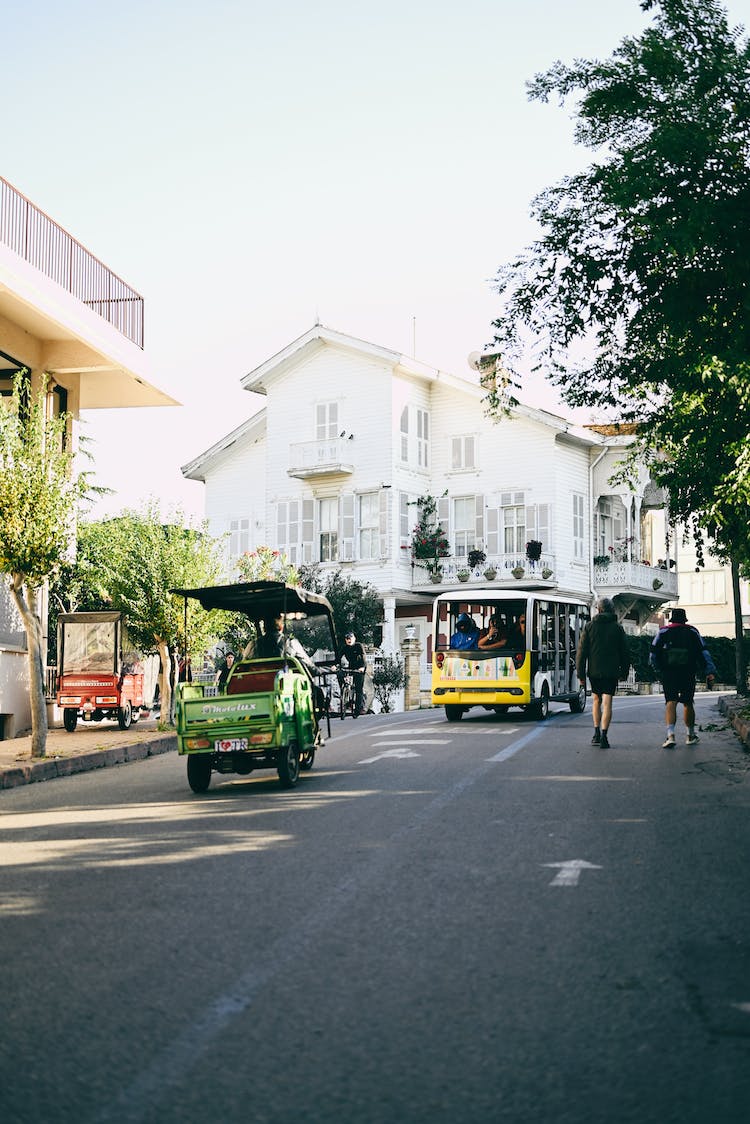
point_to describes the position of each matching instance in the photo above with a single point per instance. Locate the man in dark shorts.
(677, 654)
(603, 653)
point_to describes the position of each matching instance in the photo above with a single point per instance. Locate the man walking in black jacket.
(603, 653)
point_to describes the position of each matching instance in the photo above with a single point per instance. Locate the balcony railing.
(40, 241)
(636, 576)
(320, 458)
(542, 571)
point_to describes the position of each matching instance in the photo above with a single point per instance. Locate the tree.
(145, 557)
(356, 605)
(39, 494)
(638, 289)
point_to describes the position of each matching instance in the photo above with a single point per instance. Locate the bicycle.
(347, 694)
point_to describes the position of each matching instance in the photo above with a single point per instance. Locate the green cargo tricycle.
(270, 712)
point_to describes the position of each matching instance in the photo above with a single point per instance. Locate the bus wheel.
(501, 708)
(70, 719)
(578, 702)
(453, 713)
(199, 771)
(540, 709)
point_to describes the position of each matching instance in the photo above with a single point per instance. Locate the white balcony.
(320, 458)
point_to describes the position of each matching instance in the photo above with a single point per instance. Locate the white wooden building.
(353, 433)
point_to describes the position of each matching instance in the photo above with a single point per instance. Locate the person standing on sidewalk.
(677, 654)
(603, 654)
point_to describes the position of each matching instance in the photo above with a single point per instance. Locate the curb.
(737, 710)
(49, 768)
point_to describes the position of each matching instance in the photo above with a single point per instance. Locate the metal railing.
(38, 239)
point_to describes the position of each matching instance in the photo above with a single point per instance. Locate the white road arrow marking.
(570, 871)
(401, 751)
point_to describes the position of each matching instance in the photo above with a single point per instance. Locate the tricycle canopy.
(261, 599)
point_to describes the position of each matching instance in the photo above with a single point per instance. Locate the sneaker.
(692, 739)
(669, 743)
(596, 738)
(604, 740)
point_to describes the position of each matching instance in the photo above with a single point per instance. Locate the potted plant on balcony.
(476, 557)
(518, 572)
(463, 574)
(490, 573)
(546, 573)
(601, 560)
(533, 551)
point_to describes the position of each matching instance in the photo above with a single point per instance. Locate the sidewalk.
(92, 746)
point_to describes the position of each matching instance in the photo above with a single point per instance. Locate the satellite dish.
(474, 359)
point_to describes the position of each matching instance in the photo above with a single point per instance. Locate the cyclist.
(352, 659)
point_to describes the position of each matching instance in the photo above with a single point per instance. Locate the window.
(326, 421)
(294, 529)
(423, 438)
(464, 525)
(328, 527)
(369, 525)
(514, 523)
(462, 453)
(239, 538)
(405, 434)
(579, 526)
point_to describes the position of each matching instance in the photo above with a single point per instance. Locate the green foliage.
(39, 493)
(644, 259)
(389, 676)
(357, 606)
(134, 559)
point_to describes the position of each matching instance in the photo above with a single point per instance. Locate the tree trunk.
(165, 695)
(25, 598)
(739, 648)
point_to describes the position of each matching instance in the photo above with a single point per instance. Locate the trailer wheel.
(288, 765)
(125, 715)
(199, 771)
(70, 719)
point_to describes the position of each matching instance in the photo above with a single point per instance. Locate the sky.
(254, 166)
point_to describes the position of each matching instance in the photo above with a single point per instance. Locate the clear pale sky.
(250, 166)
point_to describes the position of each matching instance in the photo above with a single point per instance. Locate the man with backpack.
(677, 654)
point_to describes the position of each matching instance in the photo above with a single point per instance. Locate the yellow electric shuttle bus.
(516, 649)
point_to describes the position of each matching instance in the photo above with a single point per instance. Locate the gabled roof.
(314, 340)
(195, 469)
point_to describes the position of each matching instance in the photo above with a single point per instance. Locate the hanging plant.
(533, 550)
(428, 542)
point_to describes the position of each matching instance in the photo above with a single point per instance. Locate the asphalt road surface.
(462, 923)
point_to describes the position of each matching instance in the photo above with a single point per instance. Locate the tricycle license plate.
(230, 745)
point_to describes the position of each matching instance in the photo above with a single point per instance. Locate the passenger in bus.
(496, 635)
(466, 634)
(517, 635)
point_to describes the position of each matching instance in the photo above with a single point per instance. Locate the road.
(463, 923)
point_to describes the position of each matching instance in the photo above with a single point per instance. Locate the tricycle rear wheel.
(306, 758)
(288, 765)
(125, 715)
(199, 771)
(70, 719)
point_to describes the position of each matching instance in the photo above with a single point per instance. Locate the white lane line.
(512, 750)
(399, 751)
(422, 741)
